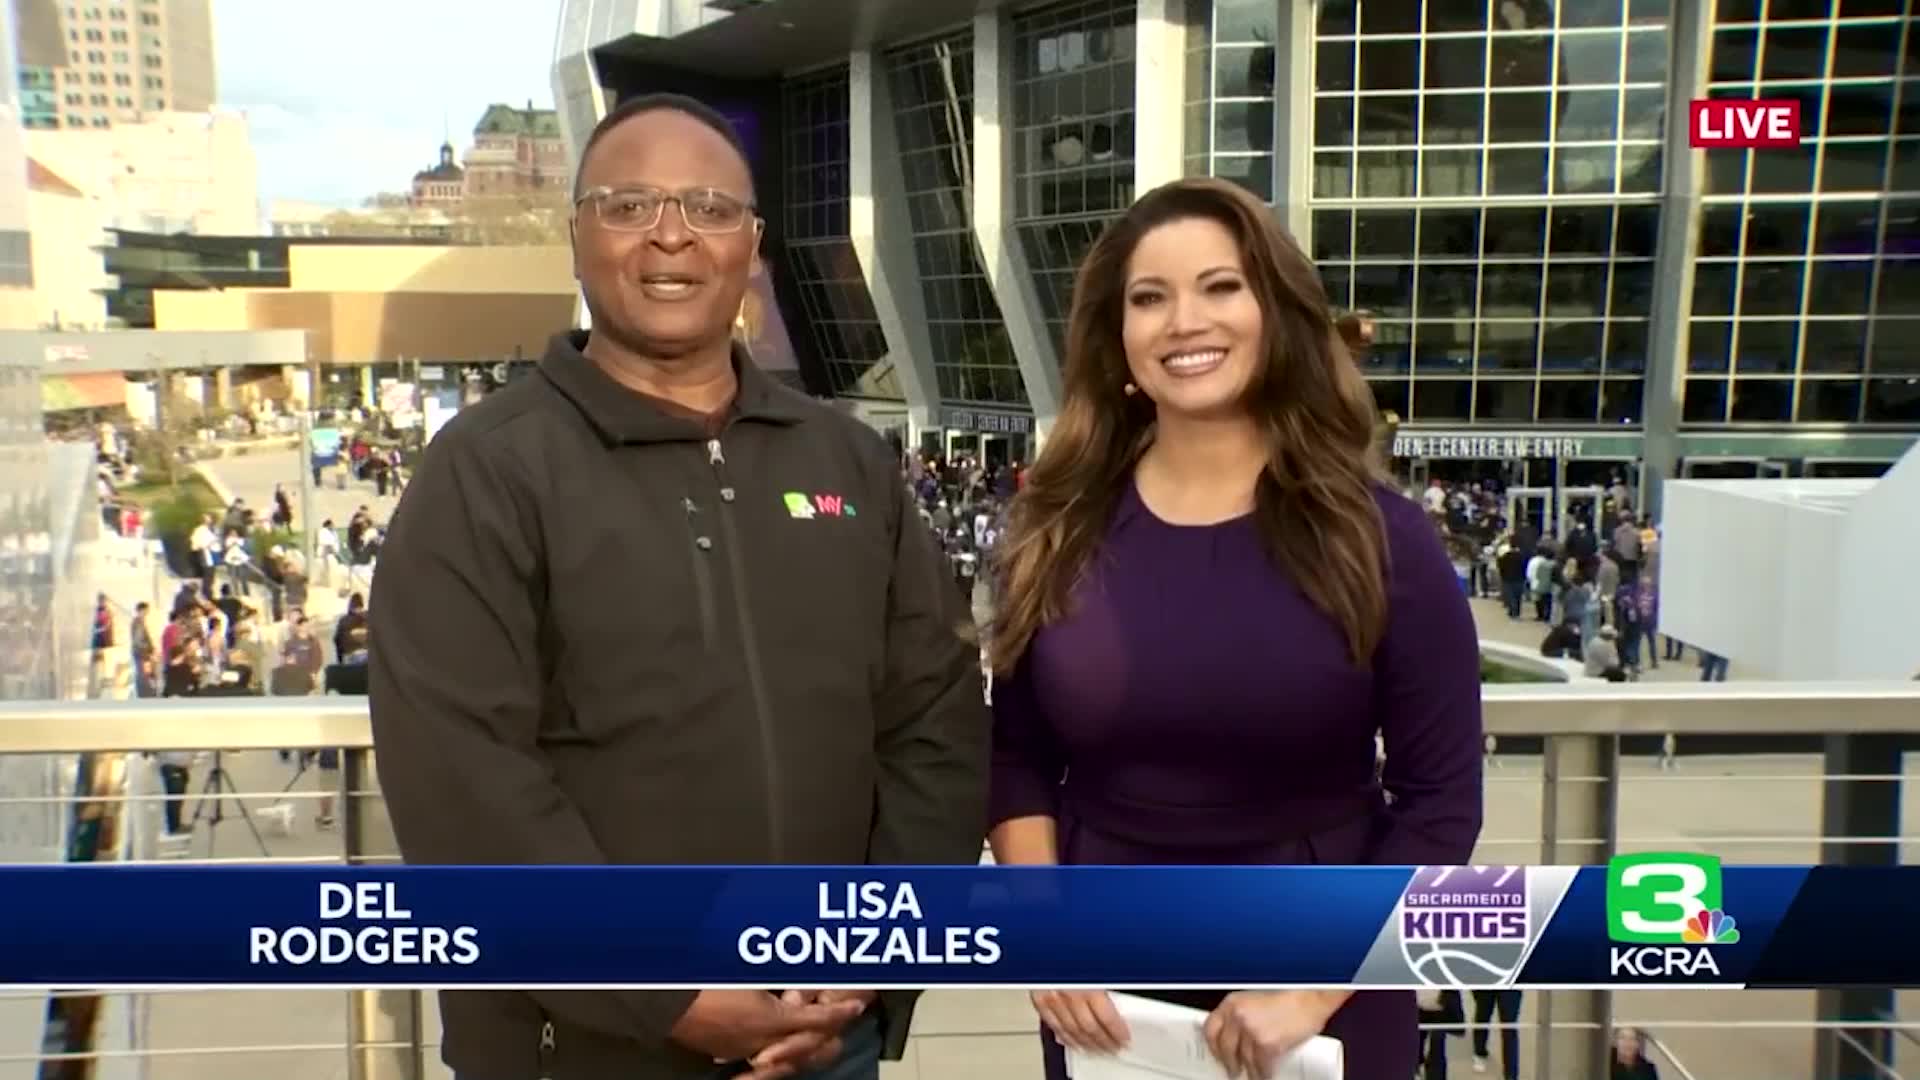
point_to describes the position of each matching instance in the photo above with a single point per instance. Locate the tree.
(531, 219)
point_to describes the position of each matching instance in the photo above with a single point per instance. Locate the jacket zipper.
(546, 1046)
(750, 651)
(702, 576)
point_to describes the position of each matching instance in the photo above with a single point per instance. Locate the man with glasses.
(652, 607)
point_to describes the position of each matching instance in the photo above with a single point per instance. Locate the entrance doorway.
(1530, 506)
(1583, 505)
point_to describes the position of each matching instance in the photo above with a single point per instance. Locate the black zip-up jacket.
(600, 636)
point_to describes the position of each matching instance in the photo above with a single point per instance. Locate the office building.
(120, 61)
(1563, 291)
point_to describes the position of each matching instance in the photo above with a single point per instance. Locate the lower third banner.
(1643, 920)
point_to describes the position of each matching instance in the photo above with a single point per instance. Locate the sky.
(352, 97)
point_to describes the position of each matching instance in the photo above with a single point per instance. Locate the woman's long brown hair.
(1315, 500)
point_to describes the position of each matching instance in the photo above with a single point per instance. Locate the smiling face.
(1193, 330)
(667, 290)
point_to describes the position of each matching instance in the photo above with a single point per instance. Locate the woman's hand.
(1253, 1029)
(1082, 1019)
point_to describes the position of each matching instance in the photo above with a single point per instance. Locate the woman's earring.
(1130, 389)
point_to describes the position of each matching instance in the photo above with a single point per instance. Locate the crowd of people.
(1443, 1016)
(961, 502)
(1596, 588)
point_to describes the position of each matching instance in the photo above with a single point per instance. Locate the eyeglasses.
(637, 209)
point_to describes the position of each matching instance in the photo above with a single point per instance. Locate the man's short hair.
(662, 102)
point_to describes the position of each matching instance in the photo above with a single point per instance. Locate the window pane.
(1569, 348)
(1515, 231)
(1577, 290)
(1442, 399)
(1517, 172)
(1503, 399)
(1829, 401)
(1509, 347)
(1840, 288)
(1574, 400)
(1447, 291)
(1332, 237)
(1453, 118)
(1450, 233)
(1766, 347)
(1387, 121)
(1760, 401)
(1518, 118)
(1838, 345)
(1442, 346)
(1626, 347)
(1770, 289)
(1456, 62)
(1704, 402)
(1450, 173)
(1383, 234)
(1709, 346)
(1511, 290)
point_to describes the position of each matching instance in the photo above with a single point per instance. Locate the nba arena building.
(1564, 294)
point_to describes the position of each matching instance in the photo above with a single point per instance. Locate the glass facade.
(1073, 84)
(1485, 184)
(1229, 124)
(39, 98)
(931, 88)
(1806, 292)
(837, 313)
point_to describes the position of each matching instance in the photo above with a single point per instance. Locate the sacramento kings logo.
(1465, 925)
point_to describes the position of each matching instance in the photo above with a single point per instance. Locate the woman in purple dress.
(1213, 606)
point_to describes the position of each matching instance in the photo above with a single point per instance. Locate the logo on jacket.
(807, 507)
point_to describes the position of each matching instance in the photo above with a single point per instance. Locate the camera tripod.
(214, 793)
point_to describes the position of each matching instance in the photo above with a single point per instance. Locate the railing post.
(1858, 810)
(1579, 799)
(384, 1026)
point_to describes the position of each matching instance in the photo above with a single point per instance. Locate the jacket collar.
(622, 416)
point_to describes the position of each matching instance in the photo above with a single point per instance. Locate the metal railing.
(1765, 808)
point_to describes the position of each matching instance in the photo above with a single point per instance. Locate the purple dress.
(1196, 709)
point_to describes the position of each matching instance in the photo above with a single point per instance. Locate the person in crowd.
(1503, 1007)
(1511, 562)
(355, 653)
(176, 774)
(186, 658)
(1212, 603)
(1626, 546)
(301, 657)
(1441, 1016)
(230, 606)
(201, 545)
(1577, 603)
(282, 507)
(1600, 657)
(616, 627)
(100, 669)
(1606, 584)
(243, 658)
(1563, 641)
(1630, 1061)
(354, 619)
(1713, 667)
(145, 671)
(1540, 584)
(326, 552)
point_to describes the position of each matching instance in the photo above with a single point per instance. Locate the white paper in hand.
(1169, 1042)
